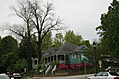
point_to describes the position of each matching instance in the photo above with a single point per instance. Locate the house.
(75, 53)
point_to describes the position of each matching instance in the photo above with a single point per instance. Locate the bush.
(63, 67)
(77, 66)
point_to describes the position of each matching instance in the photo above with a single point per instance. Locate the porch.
(60, 58)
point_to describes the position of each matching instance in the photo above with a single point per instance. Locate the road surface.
(66, 77)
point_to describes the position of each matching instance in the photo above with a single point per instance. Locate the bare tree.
(44, 20)
(24, 12)
(38, 18)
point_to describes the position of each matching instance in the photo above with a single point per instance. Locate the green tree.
(8, 44)
(71, 37)
(102, 54)
(47, 40)
(86, 42)
(9, 60)
(108, 30)
(23, 48)
(58, 39)
(20, 65)
(0, 48)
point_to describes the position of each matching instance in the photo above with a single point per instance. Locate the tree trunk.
(39, 48)
(29, 48)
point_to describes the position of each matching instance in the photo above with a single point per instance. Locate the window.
(99, 74)
(104, 74)
(35, 62)
(73, 55)
(114, 74)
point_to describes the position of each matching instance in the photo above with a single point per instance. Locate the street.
(65, 77)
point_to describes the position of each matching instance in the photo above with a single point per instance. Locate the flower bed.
(73, 69)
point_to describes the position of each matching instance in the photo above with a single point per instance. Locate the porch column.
(53, 58)
(56, 57)
(50, 58)
(47, 60)
(64, 59)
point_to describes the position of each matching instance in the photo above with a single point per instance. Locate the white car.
(4, 76)
(17, 75)
(105, 75)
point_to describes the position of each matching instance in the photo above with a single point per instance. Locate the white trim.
(73, 55)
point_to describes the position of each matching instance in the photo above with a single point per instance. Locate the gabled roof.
(79, 47)
(67, 48)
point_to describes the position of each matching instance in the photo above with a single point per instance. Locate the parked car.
(4, 76)
(113, 68)
(16, 76)
(105, 75)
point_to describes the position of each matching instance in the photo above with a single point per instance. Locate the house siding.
(75, 60)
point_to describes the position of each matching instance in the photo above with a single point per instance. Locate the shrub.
(63, 67)
(77, 66)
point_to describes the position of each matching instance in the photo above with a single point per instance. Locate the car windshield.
(114, 74)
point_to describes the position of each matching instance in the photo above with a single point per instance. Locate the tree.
(8, 44)
(102, 54)
(86, 42)
(20, 65)
(9, 60)
(58, 39)
(44, 20)
(108, 30)
(47, 40)
(0, 48)
(24, 32)
(25, 13)
(71, 37)
(38, 18)
(8, 52)
(22, 49)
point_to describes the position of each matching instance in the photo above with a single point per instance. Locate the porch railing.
(46, 72)
(55, 67)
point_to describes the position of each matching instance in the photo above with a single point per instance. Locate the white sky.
(81, 16)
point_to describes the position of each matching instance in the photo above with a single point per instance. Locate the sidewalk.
(63, 77)
(41, 78)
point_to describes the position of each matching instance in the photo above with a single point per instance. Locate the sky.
(80, 16)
